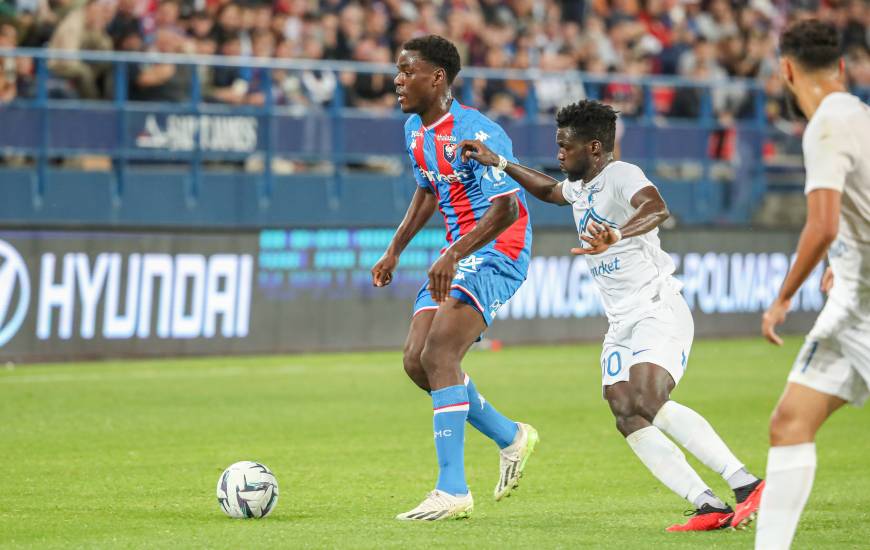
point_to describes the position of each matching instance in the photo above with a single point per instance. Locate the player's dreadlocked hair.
(590, 119)
(437, 51)
(812, 43)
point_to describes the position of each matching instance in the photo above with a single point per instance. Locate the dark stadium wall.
(92, 294)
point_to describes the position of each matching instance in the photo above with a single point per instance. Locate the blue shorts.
(484, 281)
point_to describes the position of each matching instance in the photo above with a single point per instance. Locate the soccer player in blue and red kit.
(485, 260)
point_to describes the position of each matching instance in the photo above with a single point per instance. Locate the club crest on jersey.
(449, 152)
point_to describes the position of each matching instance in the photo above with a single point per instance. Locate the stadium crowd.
(704, 40)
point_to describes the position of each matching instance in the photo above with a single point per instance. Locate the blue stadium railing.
(196, 132)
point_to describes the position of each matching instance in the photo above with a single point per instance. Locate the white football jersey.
(836, 147)
(630, 274)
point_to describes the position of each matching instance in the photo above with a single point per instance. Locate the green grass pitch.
(127, 454)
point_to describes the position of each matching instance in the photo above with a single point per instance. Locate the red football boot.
(746, 509)
(706, 518)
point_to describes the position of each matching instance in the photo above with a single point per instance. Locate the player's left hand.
(774, 316)
(600, 238)
(474, 149)
(441, 276)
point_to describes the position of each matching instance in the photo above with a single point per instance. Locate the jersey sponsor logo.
(14, 287)
(434, 176)
(449, 152)
(605, 268)
(445, 137)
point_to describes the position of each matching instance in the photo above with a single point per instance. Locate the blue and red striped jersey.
(465, 190)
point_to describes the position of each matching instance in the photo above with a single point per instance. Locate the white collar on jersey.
(437, 123)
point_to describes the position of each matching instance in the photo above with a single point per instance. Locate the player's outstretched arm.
(422, 207)
(538, 184)
(820, 230)
(498, 217)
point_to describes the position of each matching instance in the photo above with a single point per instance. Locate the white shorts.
(662, 336)
(835, 358)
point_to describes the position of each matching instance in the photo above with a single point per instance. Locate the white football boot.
(439, 505)
(513, 458)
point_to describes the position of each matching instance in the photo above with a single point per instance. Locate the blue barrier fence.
(195, 132)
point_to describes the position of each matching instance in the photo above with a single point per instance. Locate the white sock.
(667, 462)
(692, 431)
(790, 473)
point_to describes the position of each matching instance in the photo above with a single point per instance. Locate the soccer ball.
(247, 490)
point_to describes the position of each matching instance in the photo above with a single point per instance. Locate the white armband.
(618, 234)
(502, 163)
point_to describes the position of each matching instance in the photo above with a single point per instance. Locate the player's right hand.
(382, 272)
(774, 316)
(476, 150)
(827, 280)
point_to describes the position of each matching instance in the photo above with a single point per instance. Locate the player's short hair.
(590, 119)
(437, 51)
(812, 43)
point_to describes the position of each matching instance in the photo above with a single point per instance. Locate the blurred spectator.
(230, 84)
(8, 67)
(687, 99)
(350, 31)
(703, 53)
(858, 66)
(264, 47)
(228, 22)
(161, 81)
(83, 28)
(626, 96)
(604, 38)
(125, 22)
(367, 90)
(560, 86)
(165, 17)
(202, 26)
(318, 86)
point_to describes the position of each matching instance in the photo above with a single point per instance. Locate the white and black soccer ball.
(247, 490)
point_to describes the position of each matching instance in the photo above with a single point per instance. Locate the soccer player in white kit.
(617, 211)
(833, 367)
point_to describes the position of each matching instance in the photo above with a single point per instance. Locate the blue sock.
(450, 407)
(491, 423)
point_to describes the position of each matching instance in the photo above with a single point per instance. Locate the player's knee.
(622, 408)
(647, 405)
(788, 428)
(414, 367)
(411, 360)
(628, 424)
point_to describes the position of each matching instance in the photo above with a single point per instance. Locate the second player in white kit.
(617, 211)
(833, 366)
(649, 319)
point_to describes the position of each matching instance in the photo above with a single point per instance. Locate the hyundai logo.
(14, 283)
